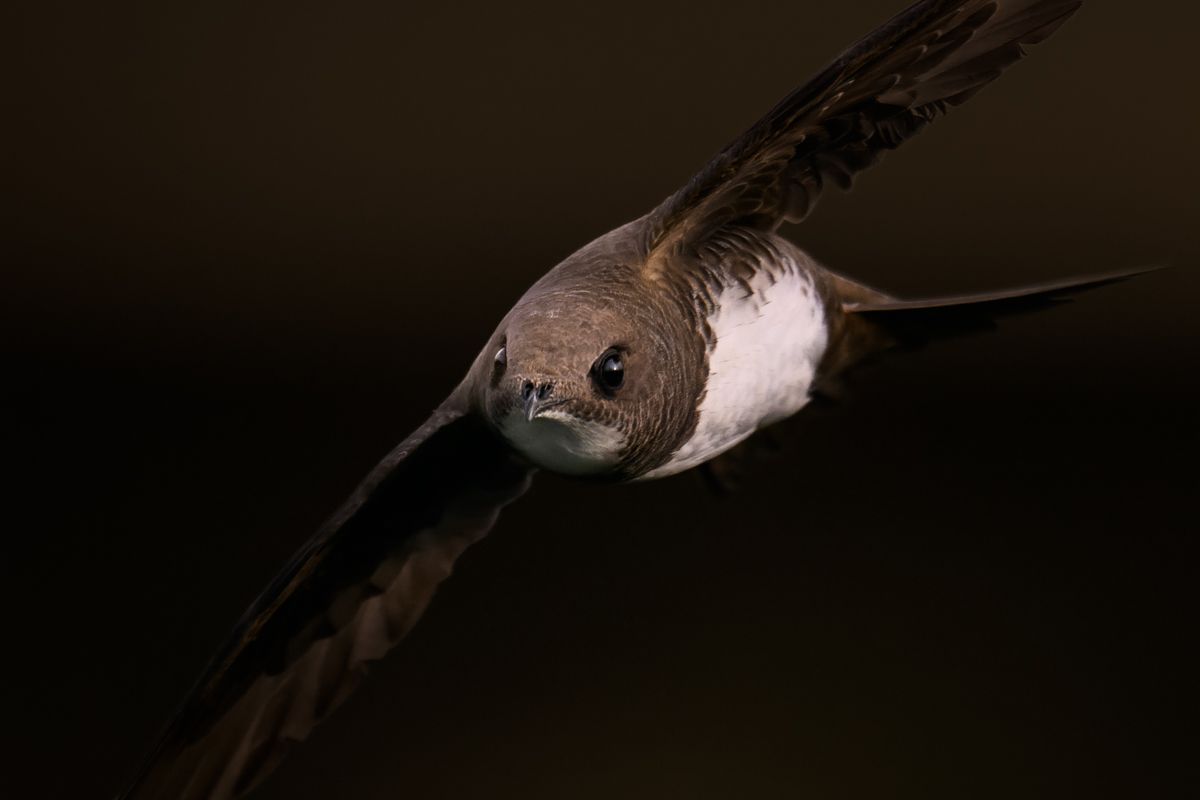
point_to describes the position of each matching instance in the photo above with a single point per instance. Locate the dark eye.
(501, 358)
(609, 371)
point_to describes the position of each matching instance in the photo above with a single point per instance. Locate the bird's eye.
(501, 358)
(609, 372)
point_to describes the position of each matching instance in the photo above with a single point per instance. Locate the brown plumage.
(611, 366)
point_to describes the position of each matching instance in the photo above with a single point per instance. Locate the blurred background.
(250, 246)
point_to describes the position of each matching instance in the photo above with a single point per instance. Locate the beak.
(537, 399)
(532, 404)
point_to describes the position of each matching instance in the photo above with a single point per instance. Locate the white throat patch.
(768, 345)
(559, 442)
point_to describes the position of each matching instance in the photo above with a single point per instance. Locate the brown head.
(595, 371)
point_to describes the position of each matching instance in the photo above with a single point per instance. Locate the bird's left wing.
(933, 55)
(347, 597)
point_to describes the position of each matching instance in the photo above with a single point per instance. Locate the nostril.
(544, 390)
(526, 390)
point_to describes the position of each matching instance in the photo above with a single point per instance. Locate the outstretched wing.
(934, 55)
(345, 599)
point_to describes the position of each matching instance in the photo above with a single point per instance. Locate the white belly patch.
(768, 346)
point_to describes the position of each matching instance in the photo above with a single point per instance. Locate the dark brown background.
(252, 245)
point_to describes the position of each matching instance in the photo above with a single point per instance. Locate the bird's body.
(651, 350)
(756, 321)
(766, 337)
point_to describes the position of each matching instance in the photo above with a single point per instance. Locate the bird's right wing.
(346, 598)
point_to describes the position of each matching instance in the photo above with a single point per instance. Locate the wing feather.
(876, 95)
(351, 593)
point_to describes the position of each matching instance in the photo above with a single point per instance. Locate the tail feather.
(873, 322)
(999, 303)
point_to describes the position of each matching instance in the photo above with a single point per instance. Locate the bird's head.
(590, 378)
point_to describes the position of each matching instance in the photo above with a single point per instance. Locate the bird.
(659, 347)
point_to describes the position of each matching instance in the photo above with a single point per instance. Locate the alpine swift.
(653, 349)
